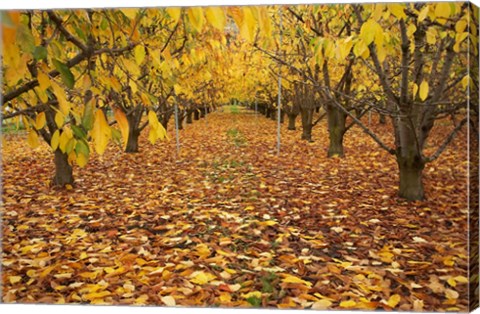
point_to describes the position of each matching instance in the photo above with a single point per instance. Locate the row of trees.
(409, 62)
(64, 71)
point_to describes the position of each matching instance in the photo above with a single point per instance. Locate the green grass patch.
(237, 137)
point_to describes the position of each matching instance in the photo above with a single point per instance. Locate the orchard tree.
(420, 62)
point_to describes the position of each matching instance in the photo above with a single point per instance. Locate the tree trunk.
(196, 114)
(202, 112)
(409, 160)
(336, 131)
(282, 116)
(291, 121)
(189, 116)
(180, 120)
(382, 120)
(165, 119)
(307, 116)
(63, 170)
(134, 119)
(411, 185)
(132, 142)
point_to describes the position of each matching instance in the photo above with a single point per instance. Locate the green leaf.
(82, 148)
(70, 145)
(25, 38)
(87, 120)
(67, 75)
(116, 136)
(79, 133)
(40, 53)
(254, 301)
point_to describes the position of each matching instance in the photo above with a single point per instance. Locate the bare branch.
(446, 142)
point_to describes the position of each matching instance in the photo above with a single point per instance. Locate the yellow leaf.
(101, 132)
(348, 304)
(14, 279)
(89, 275)
(43, 81)
(123, 124)
(201, 278)
(55, 140)
(64, 139)
(367, 31)
(461, 279)
(451, 294)
(96, 295)
(397, 10)
(247, 29)
(62, 99)
(83, 255)
(32, 139)
(177, 88)
(452, 282)
(423, 14)
(431, 36)
(174, 13)
(59, 119)
(293, 279)
(460, 26)
(423, 94)
(139, 53)
(216, 17)
(321, 305)
(394, 300)
(415, 90)
(268, 223)
(47, 271)
(196, 18)
(168, 300)
(130, 13)
(82, 160)
(225, 297)
(255, 294)
(40, 121)
(443, 11)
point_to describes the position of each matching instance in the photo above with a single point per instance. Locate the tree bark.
(196, 115)
(307, 117)
(189, 116)
(291, 121)
(336, 131)
(63, 170)
(132, 142)
(411, 185)
(382, 120)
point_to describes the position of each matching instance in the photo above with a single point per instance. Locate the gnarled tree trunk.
(63, 170)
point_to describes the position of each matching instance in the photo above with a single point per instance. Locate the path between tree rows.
(230, 223)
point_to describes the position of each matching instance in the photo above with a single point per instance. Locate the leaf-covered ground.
(229, 223)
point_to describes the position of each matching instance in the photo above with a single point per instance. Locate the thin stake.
(279, 86)
(177, 135)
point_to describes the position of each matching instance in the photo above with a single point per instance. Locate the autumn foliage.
(142, 164)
